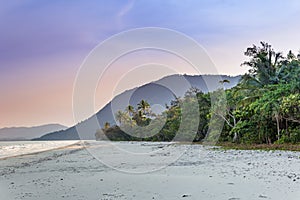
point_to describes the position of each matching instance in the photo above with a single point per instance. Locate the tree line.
(263, 108)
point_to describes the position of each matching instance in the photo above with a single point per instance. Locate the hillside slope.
(157, 92)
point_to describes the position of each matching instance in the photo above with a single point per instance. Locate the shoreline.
(77, 144)
(80, 144)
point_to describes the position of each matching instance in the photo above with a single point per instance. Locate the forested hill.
(264, 108)
(153, 93)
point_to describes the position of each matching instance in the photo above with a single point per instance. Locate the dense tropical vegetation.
(264, 108)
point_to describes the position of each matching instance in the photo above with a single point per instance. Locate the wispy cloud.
(125, 9)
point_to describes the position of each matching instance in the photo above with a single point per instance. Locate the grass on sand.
(267, 147)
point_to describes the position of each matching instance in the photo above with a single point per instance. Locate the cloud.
(126, 8)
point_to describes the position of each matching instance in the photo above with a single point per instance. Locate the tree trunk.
(278, 127)
(235, 137)
(286, 128)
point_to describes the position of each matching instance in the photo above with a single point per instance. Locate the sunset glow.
(44, 43)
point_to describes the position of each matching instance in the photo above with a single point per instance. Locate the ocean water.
(16, 148)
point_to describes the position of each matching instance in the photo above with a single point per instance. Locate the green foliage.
(270, 91)
(294, 135)
(291, 107)
(263, 108)
(172, 124)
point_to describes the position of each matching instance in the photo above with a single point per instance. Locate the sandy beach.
(100, 171)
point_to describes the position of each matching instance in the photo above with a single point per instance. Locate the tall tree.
(130, 110)
(263, 63)
(143, 108)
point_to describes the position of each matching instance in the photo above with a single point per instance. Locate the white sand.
(74, 174)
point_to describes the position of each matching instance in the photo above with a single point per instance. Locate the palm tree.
(120, 117)
(106, 125)
(144, 107)
(265, 68)
(130, 110)
(264, 62)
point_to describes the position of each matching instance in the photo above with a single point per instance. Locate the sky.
(43, 43)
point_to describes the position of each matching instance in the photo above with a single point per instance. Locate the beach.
(100, 171)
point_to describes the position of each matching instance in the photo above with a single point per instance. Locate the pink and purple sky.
(44, 42)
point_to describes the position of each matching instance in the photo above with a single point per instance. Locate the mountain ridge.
(154, 92)
(27, 133)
